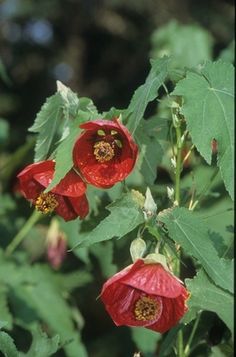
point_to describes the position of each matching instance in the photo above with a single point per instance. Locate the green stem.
(180, 345)
(187, 347)
(178, 168)
(35, 216)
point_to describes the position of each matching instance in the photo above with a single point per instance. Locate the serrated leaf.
(207, 296)
(70, 101)
(125, 216)
(7, 346)
(63, 156)
(4, 310)
(46, 125)
(146, 92)
(42, 345)
(189, 230)
(209, 111)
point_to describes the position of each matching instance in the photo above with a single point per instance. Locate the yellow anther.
(46, 203)
(103, 151)
(146, 309)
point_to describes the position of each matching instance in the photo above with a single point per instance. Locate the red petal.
(119, 301)
(173, 311)
(80, 205)
(35, 168)
(154, 279)
(28, 186)
(71, 185)
(104, 175)
(30, 189)
(123, 273)
(65, 208)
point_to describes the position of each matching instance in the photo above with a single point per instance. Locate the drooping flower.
(105, 152)
(145, 295)
(67, 199)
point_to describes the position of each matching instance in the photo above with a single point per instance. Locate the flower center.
(146, 309)
(103, 151)
(46, 203)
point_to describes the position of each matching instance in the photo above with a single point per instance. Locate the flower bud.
(150, 206)
(137, 248)
(56, 245)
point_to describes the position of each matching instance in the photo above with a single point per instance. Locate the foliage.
(190, 183)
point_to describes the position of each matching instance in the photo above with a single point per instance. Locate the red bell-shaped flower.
(67, 199)
(105, 152)
(145, 295)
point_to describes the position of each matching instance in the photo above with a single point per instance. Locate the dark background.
(99, 48)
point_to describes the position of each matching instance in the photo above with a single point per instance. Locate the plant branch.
(35, 216)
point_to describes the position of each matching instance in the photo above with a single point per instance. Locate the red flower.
(67, 198)
(56, 245)
(145, 295)
(105, 152)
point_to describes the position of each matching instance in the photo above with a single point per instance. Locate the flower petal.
(173, 311)
(80, 205)
(105, 174)
(154, 279)
(65, 208)
(119, 301)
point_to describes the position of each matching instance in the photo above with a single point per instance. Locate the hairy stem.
(35, 216)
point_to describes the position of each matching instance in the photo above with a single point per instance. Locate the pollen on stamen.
(103, 151)
(146, 309)
(46, 203)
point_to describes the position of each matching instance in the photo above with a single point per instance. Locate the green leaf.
(42, 345)
(62, 105)
(188, 45)
(151, 152)
(46, 125)
(189, 230)
(35, 294)
(207, 296)
(70, 101)
(63, 155)
(125, 216)
(146, 340)
(7, 346)
(4, 310)
(209, 111)
(146, 92)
